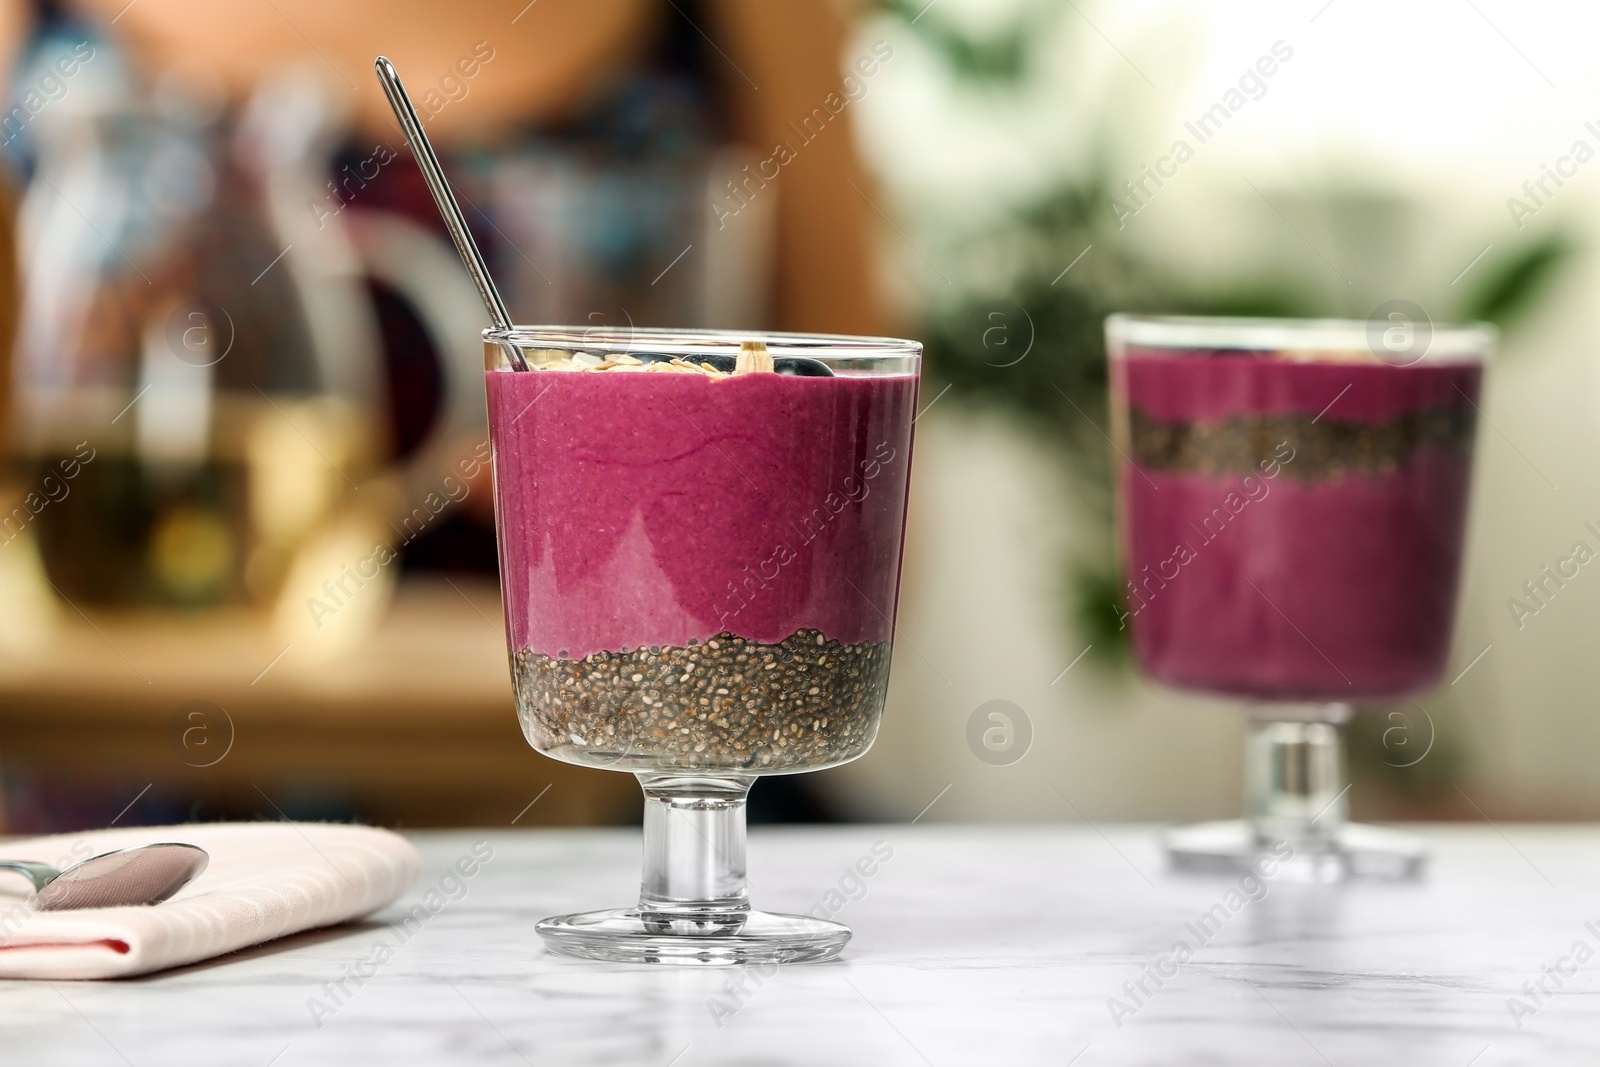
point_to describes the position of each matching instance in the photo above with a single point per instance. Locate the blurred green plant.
(1509, 290)
(1000, 57)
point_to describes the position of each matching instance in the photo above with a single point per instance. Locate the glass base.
(629, 935)
(1350, 851)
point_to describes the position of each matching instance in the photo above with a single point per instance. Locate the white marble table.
(973, 945)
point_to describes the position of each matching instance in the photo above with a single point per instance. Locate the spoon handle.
(37, 873)
(443, 196)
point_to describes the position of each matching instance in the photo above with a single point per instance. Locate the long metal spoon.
(445, 199)
(148, 874)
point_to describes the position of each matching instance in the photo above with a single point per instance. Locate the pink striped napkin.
(265, 880)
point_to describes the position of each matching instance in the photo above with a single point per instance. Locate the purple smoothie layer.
(1211, 388)
(1306, 578)
(639, 509)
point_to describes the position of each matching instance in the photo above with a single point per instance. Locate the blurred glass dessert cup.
(700, 538)
(1292, 498)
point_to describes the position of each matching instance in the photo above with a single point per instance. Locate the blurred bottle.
(145, 353)
(199, 384)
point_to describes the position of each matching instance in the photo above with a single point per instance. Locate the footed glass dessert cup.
(1292, 498)
(700, 540)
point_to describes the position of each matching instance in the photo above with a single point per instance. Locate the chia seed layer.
(1323, 448)
(728, 704)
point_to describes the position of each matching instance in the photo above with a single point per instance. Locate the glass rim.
(690, 342)
(1446, 340)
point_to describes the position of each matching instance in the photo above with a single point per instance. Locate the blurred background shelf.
(416, 727)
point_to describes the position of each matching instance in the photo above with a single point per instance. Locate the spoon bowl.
(126, 877)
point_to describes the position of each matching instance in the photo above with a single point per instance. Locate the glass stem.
(694, 845)
(1294, 773)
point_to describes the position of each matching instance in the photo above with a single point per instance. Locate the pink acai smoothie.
(1293, 528)
(639, 510)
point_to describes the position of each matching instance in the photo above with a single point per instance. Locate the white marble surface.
(973, 945)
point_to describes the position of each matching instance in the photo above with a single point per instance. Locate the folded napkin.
(265, 880)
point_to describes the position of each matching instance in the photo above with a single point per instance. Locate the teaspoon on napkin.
(148, 874)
